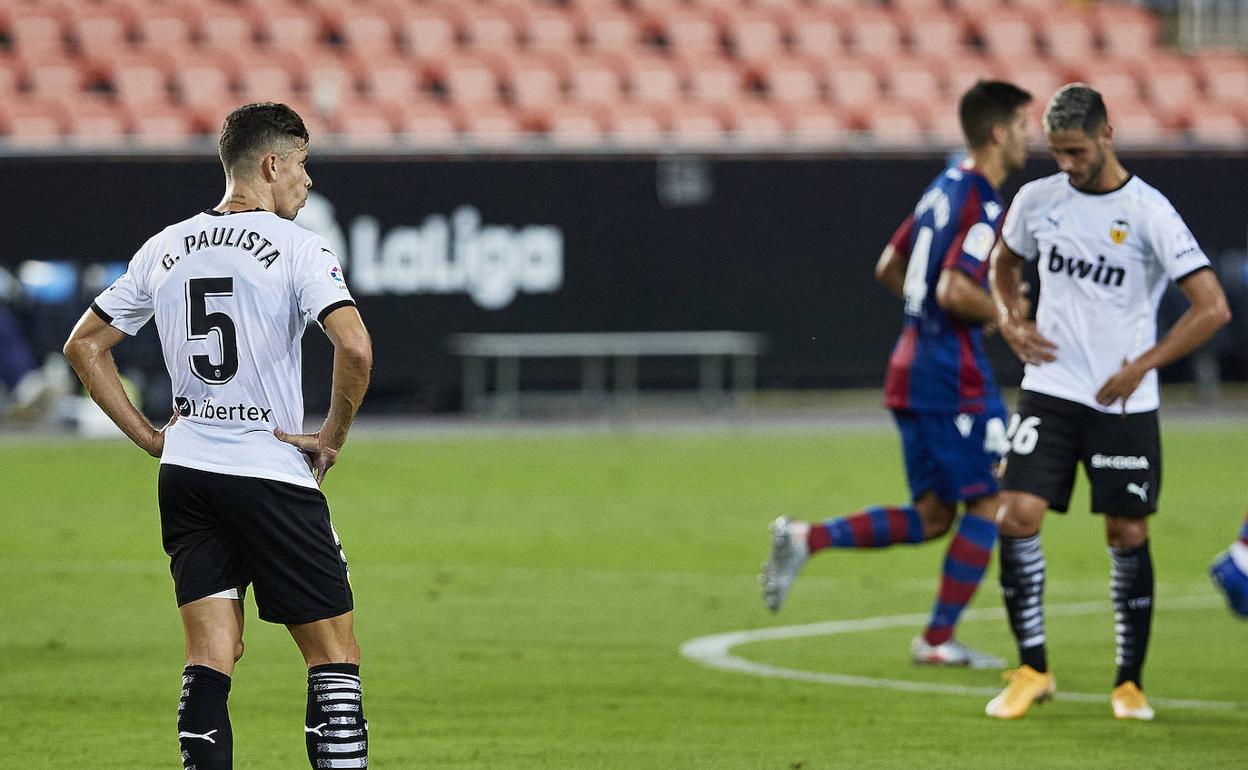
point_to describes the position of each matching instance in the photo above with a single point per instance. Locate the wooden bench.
(711, 348)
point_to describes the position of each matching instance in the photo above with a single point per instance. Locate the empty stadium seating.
(579, 72)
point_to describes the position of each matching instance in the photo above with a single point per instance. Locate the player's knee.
(936, 514)
(1016, 517)
(1125, 533)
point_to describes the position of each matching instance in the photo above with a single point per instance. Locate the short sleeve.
(1172, 243)
(320, 285)
(127, 305)
(903, 236)
(976, 233)
(1018, 237)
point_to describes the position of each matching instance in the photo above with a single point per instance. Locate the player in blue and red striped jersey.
(1230, 573)
(939, 384)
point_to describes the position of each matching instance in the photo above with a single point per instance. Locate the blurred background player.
(1230, 573)
(232, 290)
(1107, 244)
(939, 384)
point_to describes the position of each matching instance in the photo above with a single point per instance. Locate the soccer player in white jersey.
(1105, 244)
(232, 290)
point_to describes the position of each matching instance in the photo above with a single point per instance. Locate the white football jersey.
(1104, 260)
(232, 294)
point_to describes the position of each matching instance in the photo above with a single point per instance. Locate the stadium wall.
(779, 245)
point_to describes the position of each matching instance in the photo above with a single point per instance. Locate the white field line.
(715, 651)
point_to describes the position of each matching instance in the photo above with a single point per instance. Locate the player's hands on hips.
(1121, 385)
(320, 455)
(1027, 342)
(155, 445)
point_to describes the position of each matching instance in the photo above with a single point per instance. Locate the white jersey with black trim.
(231, 294)
(1104, 260)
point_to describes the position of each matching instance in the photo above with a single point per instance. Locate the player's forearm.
(1004, 280)
(959, 296)
(352, 367)
(1193, 329)
(98, 372)
(890, 271)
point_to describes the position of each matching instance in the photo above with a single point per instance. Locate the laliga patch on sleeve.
(335, 275)
(978, 241)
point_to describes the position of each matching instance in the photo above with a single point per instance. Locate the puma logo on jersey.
(1075, 267)
(204, 737)
(315, 730)
(1139, 490)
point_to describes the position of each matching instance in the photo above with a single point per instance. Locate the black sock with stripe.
(1131, 587)
(336, 733)
(1022, 586)
(204, 734)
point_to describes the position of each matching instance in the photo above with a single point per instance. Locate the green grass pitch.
(521, 602)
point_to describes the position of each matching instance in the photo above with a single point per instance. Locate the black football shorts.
(1121, 455)
(224, 532)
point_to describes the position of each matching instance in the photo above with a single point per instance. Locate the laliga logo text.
(490, 263)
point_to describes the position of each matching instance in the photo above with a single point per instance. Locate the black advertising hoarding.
(782, 246)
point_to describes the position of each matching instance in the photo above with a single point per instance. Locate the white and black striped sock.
(1022, 585)
(1131, 587)
(336, 733)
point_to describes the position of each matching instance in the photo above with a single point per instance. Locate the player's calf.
(335, 730)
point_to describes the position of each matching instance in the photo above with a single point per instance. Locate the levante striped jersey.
(938, 363)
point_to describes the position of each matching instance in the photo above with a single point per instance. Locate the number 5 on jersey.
(200, 323)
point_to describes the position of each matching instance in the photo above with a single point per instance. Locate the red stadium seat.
(468, 79)
(269, 78)
(1225, 75)
(892, 124)
(936, 34)
(915, 81)
(974, 9)
(962, 72)
(792, 80)
(550, 29)
(533, 81)
(166, 126)
(167, 27)
(1007, 35)
(488, 28)
(390, 79)
(1116, 80)
(36, 30)
(95, 122)
(714, 79)
(755, 36)
(609, 29)
(851, 82)
(875, 33)
(138, 79)
(654, 79)
(1171, 84)
(10, 80)
(751, 121)
(924, 7)
(1217, 125)
(329, 82)
(491, 125)
(32, 122)
(1035, 76)
(1069, 36)
(842, 8)
(98, 30)
(367, 30)
(818, 124)
(687, 31)
(572, 125)
(637, 125)
(364, 123)
(229, 28)
(944, 129)
(816, 32)
(52, 75)
(429, 31)
(1136, 124)
(695, 124)
(204, 80)
(289, 27)
(1128, 32)
(428, 123)
(595, 79)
